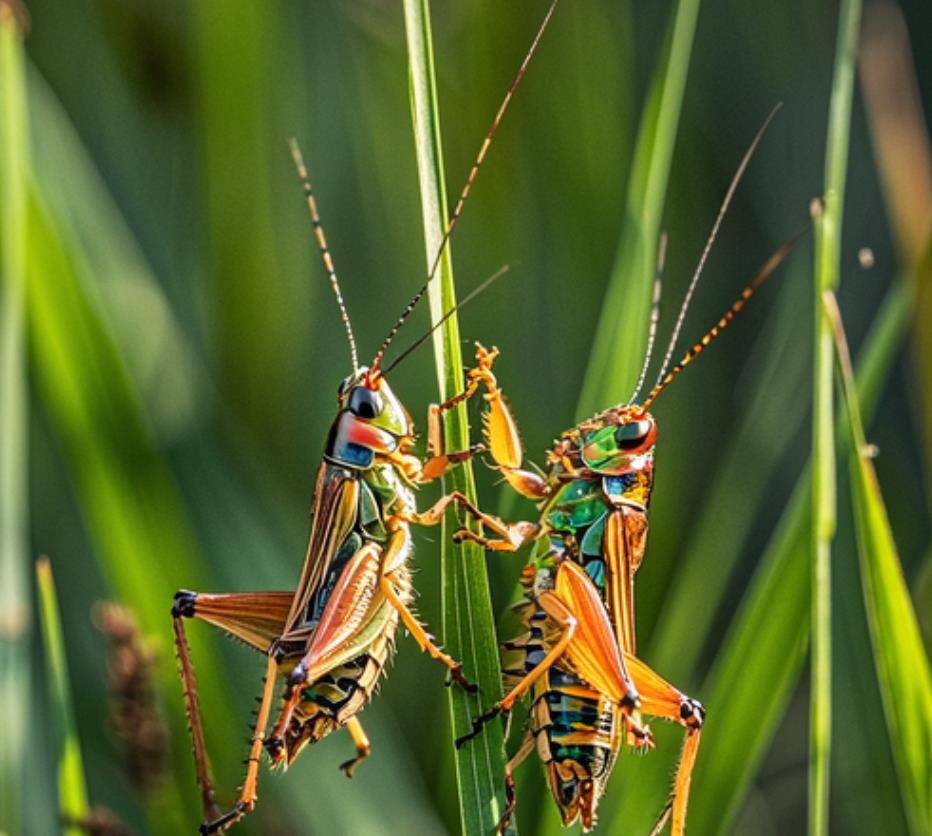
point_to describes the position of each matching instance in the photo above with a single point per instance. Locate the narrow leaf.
(902, 664)
(72, 790)
(468, 626)
(826, 277)
(750, 687)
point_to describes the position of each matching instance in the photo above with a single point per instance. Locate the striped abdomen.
(576, 730)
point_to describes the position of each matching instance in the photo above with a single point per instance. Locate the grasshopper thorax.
(370, 420)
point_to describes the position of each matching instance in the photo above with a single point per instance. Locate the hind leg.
(361, 742)
(660, 699)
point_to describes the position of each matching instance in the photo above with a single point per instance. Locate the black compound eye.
(631, 436)
(365, 403)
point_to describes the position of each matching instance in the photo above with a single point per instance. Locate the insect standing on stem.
(576, 655)
(329, 640)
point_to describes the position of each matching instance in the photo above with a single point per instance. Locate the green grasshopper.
(330, 639)
(576, 654)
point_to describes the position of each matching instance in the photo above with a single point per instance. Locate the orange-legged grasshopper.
(576, 656)
(329, 640)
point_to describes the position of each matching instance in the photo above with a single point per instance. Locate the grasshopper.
(329, 640)
(576, 656)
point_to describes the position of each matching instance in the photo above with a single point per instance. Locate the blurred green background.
(184, 352)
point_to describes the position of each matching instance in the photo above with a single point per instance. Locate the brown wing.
(333, 515)
(256, 618)
(356, 614)
(623, 545)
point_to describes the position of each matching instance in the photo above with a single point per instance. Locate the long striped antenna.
(723, 209)
(322, 245)
(769, 266)
(458, 306)
(470, 179)
(654, 317)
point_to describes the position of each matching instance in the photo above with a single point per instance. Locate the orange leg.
(513, 535)
(256, 617)
(566, 621)
(661, 699)
(248, 794)
(423, 638)
(483, 371)
(361, 742)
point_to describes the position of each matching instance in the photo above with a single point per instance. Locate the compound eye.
(365, 403)
(631, 436)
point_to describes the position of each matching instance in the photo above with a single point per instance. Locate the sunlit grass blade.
(824, 505)
(902, 664)
(761, 659)
(72, 789)
(15, 679)
(468, 626)
(619, 340)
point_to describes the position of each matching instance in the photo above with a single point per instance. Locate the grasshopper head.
(618, 441)
(370, 420)
(619, 445)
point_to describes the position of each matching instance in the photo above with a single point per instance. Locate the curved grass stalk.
(901, 661)
(468, 625)
(827, 274)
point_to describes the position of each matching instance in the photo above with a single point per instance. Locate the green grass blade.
(72, 790)
(750, 686)
(468, 625)
(902, 664)
(15, 677)
(618, 346)
(824, 510)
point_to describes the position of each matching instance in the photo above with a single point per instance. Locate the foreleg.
(391, 558)
(513, 535)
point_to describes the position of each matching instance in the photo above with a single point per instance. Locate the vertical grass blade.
(468, 626)
(72, 791)
(15, 687)
(902, 664)
(619, 340)
(761, 659)
(827, 274)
